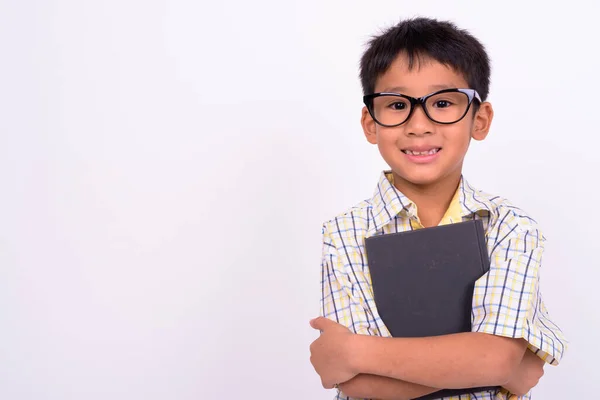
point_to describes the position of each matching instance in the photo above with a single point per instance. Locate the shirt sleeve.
(342, 291)
(507, 301)
(341, 299)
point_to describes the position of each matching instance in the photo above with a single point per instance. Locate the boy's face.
(398, 144)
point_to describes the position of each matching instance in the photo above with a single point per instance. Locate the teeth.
(421, 153)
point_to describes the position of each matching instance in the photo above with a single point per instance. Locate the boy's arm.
(507, 310)
(461, 360)
(340, 304)
(527, 375)
(365, 386)
(453, 361)
(507, 301)
(525, 378)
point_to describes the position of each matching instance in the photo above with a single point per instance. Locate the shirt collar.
(473, 200)
(388, 202)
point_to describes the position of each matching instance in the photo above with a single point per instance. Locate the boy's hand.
(329, 353)
(527, 375)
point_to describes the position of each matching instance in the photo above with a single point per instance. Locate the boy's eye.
(442, 104)
(398, 106)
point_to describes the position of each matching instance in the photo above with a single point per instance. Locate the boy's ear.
(482, 121)
(368, 125)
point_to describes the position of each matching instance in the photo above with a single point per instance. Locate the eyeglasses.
(446, 106)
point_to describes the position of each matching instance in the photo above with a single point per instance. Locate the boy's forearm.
(379, 387)
(452, 361)
(364, 386)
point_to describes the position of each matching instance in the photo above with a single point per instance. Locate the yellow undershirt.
(452, 215)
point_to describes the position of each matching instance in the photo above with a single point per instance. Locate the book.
(423, 281)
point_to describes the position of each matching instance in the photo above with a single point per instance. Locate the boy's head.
(424, 139)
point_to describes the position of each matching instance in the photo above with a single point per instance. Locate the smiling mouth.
(422, 153)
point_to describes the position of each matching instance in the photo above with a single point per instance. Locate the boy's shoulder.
(502, 211)
(354, 217)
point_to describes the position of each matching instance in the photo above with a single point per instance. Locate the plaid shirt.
(507, 300)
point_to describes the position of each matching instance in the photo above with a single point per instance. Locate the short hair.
(420, 38)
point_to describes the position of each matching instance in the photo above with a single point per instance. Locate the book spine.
(483, 252)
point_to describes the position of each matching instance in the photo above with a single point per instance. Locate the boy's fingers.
(321, 323)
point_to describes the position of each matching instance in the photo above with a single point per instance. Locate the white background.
(165, 168)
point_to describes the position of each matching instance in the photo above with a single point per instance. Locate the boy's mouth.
(419, 152)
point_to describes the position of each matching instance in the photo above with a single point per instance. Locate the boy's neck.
(432, 200)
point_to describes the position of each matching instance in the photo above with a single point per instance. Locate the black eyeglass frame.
(414, 101)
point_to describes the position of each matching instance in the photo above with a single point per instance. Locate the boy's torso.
(389, 211)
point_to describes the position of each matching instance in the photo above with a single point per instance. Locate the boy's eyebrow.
(402, 89)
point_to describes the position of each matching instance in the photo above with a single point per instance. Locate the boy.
(425, 84)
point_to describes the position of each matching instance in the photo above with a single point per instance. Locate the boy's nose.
(419, 123)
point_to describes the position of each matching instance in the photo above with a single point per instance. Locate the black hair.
(420, 38)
